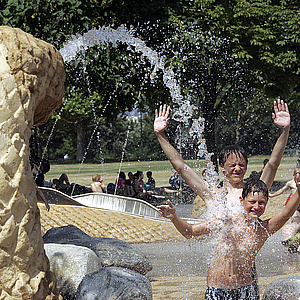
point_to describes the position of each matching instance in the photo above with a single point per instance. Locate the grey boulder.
(110, 251)
(113, 283)
(70, 264)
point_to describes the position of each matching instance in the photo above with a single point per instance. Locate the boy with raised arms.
(232, 161)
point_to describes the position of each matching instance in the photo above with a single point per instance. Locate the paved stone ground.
(192, 288)
(103, 223)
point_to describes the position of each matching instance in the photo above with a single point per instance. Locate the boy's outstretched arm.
(41, 194)
(281, 119)
(197, 184)
(186, 229)
(275, 223)
(280, 191)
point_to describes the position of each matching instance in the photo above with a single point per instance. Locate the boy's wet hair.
(232, 149)
(254, 185)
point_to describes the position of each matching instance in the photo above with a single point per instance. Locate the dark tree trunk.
(210, 114)
(209, 134)
(81, 142)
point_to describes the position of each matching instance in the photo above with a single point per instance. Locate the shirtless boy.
(98, 185)
(232, 161)
(241, 236)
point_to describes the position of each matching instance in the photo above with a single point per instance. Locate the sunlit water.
(192, 258)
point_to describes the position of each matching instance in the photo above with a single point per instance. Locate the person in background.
(128, 189)
(138, 185)
(120, 182)
(98, 185)
(130, 177)
(290, 232)
(150, 184)
(42, 196)
(257, 175)
(289, 186)
(62, 184)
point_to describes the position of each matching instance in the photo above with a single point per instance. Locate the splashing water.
(184, 110)
(107, 35)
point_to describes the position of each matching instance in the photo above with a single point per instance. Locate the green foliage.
(136, 139)
(265, 34)
(226, 55)
(53, 21)
(56, 20)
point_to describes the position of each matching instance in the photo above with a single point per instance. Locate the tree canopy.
(231, 58)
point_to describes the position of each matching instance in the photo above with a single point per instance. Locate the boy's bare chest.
(242, 240)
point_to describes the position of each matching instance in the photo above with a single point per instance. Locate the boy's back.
(96, 187)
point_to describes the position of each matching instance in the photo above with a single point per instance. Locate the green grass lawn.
(162, 170)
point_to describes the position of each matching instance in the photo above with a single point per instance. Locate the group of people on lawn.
(133, 186)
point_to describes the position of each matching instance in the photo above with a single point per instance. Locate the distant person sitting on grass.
(240, 237)
(98, 185)
(128, 189)
(120, 183)
(138, 185)
(62, 184)
(150, 184)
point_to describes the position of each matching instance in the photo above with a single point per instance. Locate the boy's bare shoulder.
(263, 225)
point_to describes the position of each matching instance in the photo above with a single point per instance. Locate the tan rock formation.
(31, 86)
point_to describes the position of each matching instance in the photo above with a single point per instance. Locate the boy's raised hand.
(167, 211)
(281, 115)
(161, 118)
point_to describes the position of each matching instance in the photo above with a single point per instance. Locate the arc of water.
(105, 35)
(48, 140)
(122, 157)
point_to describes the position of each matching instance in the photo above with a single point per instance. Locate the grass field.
(162, 170)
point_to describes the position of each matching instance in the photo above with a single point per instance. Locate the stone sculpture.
(31, 86)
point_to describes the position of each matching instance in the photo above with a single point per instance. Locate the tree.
(244, 112)
(221, 51)
(109, 80)
(264, 34)
(232, 48)
(209, 74)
